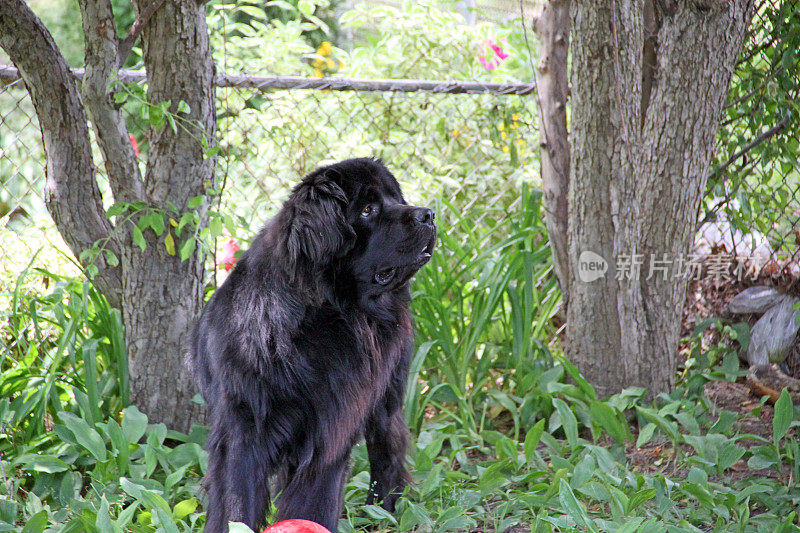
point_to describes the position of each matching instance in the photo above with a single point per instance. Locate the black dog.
(306, 347)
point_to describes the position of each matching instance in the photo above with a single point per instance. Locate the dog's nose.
(423, 215)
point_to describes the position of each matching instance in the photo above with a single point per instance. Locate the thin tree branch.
(126, 44)
(112, 134)
(774, 130)
(71, 193)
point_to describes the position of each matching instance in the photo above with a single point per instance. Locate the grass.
(507, 436)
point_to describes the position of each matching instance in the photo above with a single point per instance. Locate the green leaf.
(138, 238)
(215, 226)
(784, 412)
(645, 434)
(574, 508)
(606, 417)
(639, 498)
(111, 258)
(117, 209)
(157, 223)
(169, 243)
(134, 424)
(183, 107)
(49, 464)
(36, 523)
(184, 508)
(532, 439)
(86, 436)
(171, 121)
(196, 201)
(238, 527)
(187, 248)
(568, 421)
(8, 510)
(379, 513)
(103, 522)
(305, 7)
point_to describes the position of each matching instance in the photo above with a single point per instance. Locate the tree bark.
(159, 294)
(163, 294)
(648, 87)
(552, 26)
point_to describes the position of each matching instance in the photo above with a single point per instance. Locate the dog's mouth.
(427, 251)
(388, 275)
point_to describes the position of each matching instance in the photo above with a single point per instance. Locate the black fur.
(306, 347)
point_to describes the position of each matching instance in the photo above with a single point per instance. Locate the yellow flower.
(341, 64)
(503, 135)
(317, 72)
(505, 149)
(325, 49)
(318, 63)
(330, 64)
(455, 133)
(520, 142)
(501, 126)
(514, 125)
(515, 117)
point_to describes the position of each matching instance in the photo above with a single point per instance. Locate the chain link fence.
(751, 215)
(471, 144)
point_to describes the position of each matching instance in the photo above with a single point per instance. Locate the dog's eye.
(367, 211)
(384, 276)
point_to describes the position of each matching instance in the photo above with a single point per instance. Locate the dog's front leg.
(237, 479)
(315, 493)
(386, 434)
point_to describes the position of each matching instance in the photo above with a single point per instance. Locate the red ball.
(296, 525)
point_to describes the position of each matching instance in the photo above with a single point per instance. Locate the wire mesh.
(752, 209)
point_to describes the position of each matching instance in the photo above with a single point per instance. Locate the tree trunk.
(163, 294)
(552, 27)
(649, 80)
(160, 295)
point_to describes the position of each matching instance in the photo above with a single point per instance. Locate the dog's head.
(350, 220)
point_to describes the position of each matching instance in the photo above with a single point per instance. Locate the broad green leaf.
(116, 209)
(46, 463)
(36, 523)
(784, 411)
(532, 439)
(86, 436)
(138, 238)
(103, 522)
(134, 424)
(196, 201)
(184, 508)
(605, 416)
(157, 223)
(379, 513)
(645, 434)
(187, 248)
(568, 421)
(574, 508)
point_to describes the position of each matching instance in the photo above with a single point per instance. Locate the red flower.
(228, 258)
(134, 144)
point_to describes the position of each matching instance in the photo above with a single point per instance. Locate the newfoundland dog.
(306, 347)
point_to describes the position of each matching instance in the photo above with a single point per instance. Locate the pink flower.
(493, 55)
(488, 65)
(498, 50)
(228, 258)
(134, 144)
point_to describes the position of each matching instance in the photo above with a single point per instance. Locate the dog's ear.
(318, 229)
